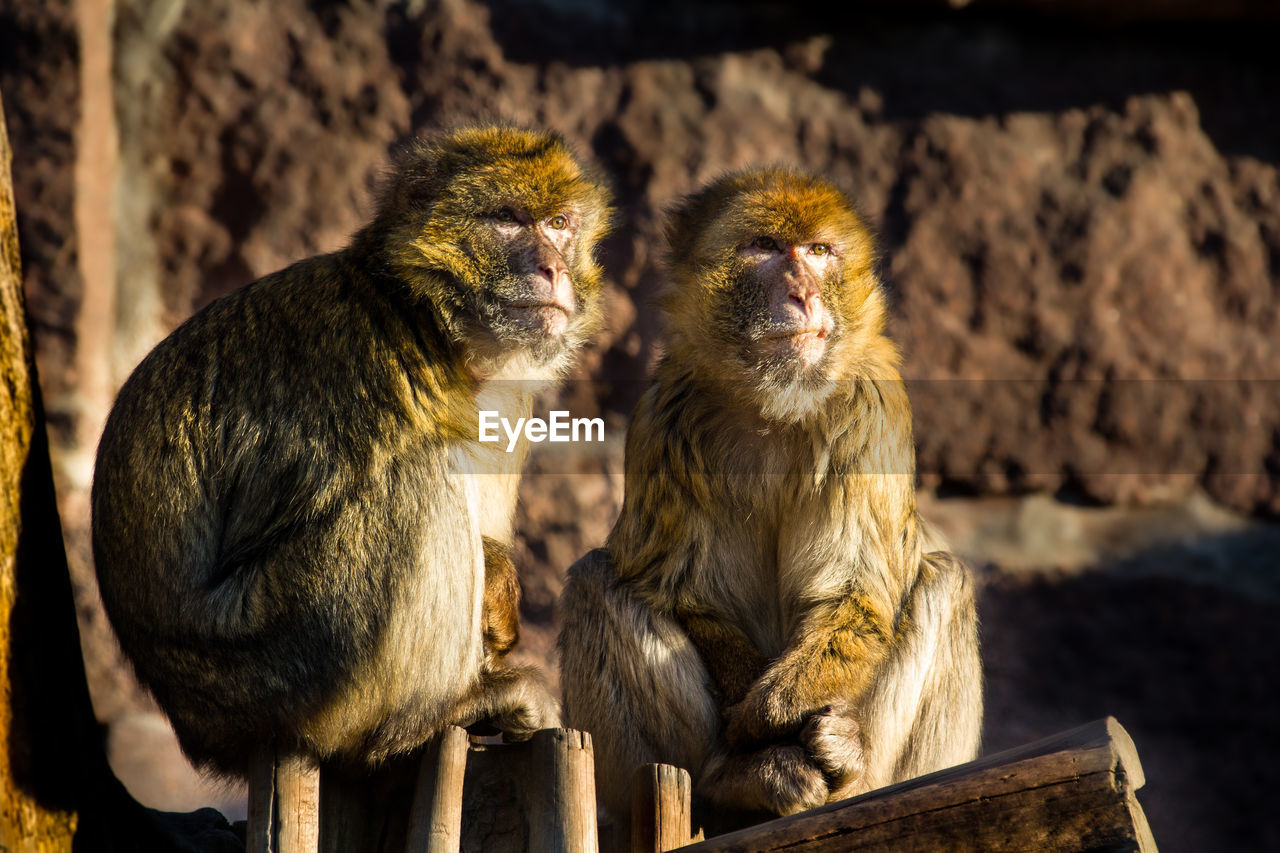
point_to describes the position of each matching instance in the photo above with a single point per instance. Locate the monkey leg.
(633, 679)
(924, 710)
(782, 778)
(501, 608)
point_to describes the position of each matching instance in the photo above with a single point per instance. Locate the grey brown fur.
(291, 512)
(769, 612)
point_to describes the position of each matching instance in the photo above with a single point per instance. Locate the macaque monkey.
(768, 612)
(300, 541)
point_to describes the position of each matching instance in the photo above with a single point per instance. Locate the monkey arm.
(831, 660)
(732, 660)
(501, 608)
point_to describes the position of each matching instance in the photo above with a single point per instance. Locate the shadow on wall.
(1187, 666)
(920, 61)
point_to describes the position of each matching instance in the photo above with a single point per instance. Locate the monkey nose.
(807, 300)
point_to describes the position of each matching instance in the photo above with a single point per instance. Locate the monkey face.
(775, 268)
(530, 298)
(501, 239)
(782, 315)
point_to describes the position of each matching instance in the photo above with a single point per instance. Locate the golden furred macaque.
(300, 541)
(768, 611)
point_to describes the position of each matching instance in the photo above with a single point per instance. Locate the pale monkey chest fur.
(488, 475)
(751, 570)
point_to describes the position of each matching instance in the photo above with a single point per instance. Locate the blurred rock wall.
(1081, 225)
(1078, 202)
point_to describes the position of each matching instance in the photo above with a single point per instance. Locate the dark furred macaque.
(768, 612)
(299, 539)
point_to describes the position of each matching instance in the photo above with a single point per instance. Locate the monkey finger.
(833, 740)
(792, 782)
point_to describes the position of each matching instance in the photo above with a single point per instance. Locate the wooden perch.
(537, 796)
(661, 809)
(1069, 792)
(543, 791)
(284, 806)
(435, 819)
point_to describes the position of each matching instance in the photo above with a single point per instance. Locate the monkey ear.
(683, 221)
(689, 218)
(418, 171)
(420, 188)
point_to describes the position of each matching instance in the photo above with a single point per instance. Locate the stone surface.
(1088, 239)
(1081, 229)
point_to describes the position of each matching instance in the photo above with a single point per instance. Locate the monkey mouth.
(564, 309)
(550, 318)
(798, 334)
(804, 346)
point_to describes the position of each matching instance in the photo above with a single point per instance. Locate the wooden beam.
(1069, 792)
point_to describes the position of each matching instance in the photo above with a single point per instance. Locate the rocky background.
(1079, 206)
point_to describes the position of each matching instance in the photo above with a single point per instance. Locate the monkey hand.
(779, 778)
(528, 706)
(768, 713)
(832, 738)
(514, 700)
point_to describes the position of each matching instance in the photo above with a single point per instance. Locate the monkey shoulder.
(866, 428)
(283, 401)
(586, 581)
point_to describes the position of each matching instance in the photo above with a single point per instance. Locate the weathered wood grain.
(661, 809)
(560, 784)
(297, 804)
(1069, 792)
(262, 797)
(435, 819)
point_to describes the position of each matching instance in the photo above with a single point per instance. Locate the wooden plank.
(297, 806)
(560, 792)
(435, 819)
(262, 795)
(661, 809)
(1142, 829)
(1072, 791)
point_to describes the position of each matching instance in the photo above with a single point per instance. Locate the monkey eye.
(767, 244)
(503, 215)
(820, 249)
(559, 222)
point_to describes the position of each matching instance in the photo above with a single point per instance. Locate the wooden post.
(561, 792)
(262, 796)
(661, 809)
(284, 805)
(537, 796)
(297, 806)
(435, 820)
(1073, 791)
(369, 812)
